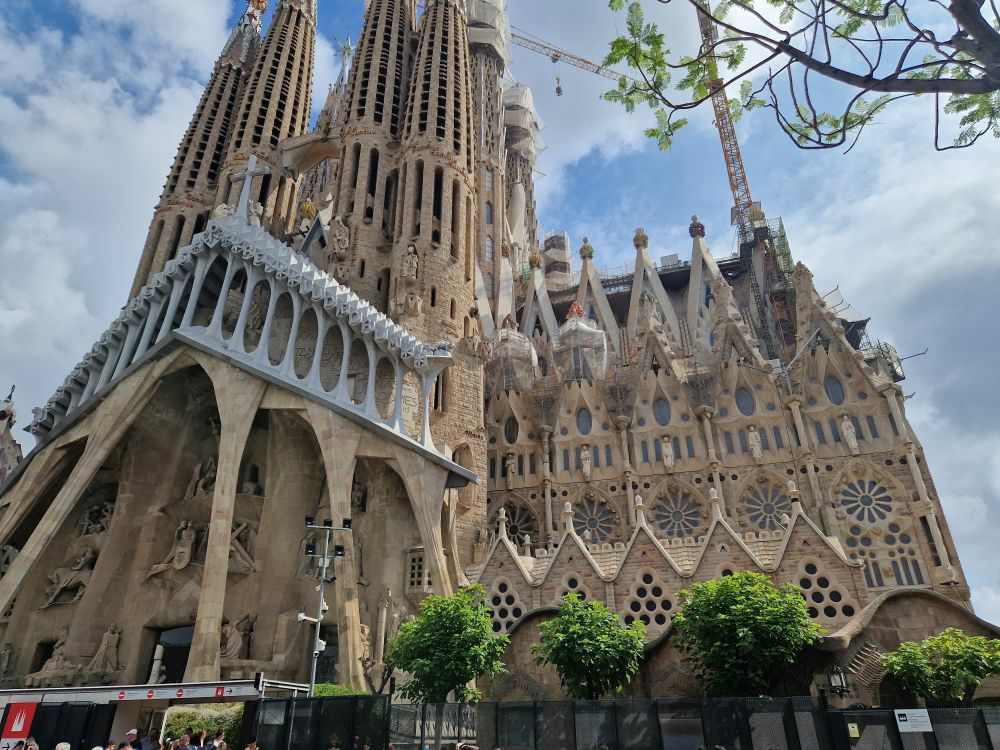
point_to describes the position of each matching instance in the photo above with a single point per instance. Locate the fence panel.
(555, 725)
(992, 718)
(960, 729)
(370, 715)
(516, 726)
(272, 724)
(336, 724)
(637, 725)
(811, 724)
(595, 725)
(680, 725)
(727, 723)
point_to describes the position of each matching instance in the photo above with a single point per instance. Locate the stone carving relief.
(231, 645)
(245, 625)
(586, 462)
(755, 444)
(104, 665)
(850, 434)
(203, 479)
(71, 578)
(6, 660)
(181, 553)
(57, 670)
(341, 240)
(669, 460)
(97, 520)
(223, 211)
(255, 212)
(242, 542)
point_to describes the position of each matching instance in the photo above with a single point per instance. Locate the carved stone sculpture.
(97, 520)
(411, 264)
(586, 461)
(6, 659)
(105, 661)
(850, 435)
(74, 576)
(246, 626)
(341, 238)
(241, 548)
(669, 459)
(255, 212)
(57, 670)
(182, 552)
(231, 644)
(222, 211)
(203, 479)
(509, 467)
(479, 549)
(754, 442)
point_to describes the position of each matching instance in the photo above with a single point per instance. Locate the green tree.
(448, 646)
(945, 669)
(867, 54)
(210, 717)
(739, 631)
(592, 652)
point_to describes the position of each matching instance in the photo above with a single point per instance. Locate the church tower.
(275, 106)
(189, 195)
(432, 290)
(373, 108)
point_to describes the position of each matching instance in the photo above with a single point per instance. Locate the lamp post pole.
(321, 607)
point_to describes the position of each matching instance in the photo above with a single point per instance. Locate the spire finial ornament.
(697, 229)
(587, 251)
(641, 239)
(535, 259)
(575, 311)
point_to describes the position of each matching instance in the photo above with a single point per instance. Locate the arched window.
(489, 249)
(834, 390)
(511, 430)
(745, 402)
(489, 214)
(584, 421)
(661, 411)
(489, 179)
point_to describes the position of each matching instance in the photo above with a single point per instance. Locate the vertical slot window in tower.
(929, 537)
(418, 198)
(437, 208)
(456, 225)
(372, 187)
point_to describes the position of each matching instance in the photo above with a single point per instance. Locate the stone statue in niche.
(669, 459)
(242, 541)
(586, 460)
(479, 547)
(105, 662)
(182, 552)
(411, 264)
(231, 643)
(203, 479)
(359, 498)
(754, 442)
(509, 466)
(341, 238)
(97, 520)
(6, 659)
(246, 626)
(73, 576)
(850, 434)
(255, 212)
(57, 670)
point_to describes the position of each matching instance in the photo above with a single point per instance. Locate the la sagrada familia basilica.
(360, 321)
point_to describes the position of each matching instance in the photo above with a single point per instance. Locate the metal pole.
(324, 562)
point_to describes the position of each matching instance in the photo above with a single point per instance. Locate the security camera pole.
(324, 563)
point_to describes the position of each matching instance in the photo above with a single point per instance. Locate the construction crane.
(557, 55)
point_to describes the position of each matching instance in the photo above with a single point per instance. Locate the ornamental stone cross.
(247, 179)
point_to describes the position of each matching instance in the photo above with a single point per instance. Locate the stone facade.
(631, 434)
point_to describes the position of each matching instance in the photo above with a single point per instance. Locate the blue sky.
(95, 96)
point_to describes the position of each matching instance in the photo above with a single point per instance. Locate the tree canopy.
(825, 68)
(739, 631)
(448, 646)
(945, 669)
(592, 652)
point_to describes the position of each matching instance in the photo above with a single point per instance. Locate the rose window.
(519, 522)
(765, 506)
(866, 500)
(677, 516)
(593, 520)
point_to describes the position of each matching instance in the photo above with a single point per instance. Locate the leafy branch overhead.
(825, 68)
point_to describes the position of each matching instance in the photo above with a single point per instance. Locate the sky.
(96, 94)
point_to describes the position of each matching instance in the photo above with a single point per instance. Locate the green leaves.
(593, 653)
(945, 669)
(448, 646)
(740, 630)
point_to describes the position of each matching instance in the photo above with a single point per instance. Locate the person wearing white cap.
(132, 738)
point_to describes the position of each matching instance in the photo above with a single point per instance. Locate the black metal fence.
(710, 724)
(355, 723)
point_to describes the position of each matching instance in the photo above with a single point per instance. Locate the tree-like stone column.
(238, 395)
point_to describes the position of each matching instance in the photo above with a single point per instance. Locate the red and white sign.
(180, 692)
(220, 692)
(18, 724)
(121, 695)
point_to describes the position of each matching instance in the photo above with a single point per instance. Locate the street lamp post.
(324, 564)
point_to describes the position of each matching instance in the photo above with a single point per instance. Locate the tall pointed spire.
(275, 106)
(189, 194)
